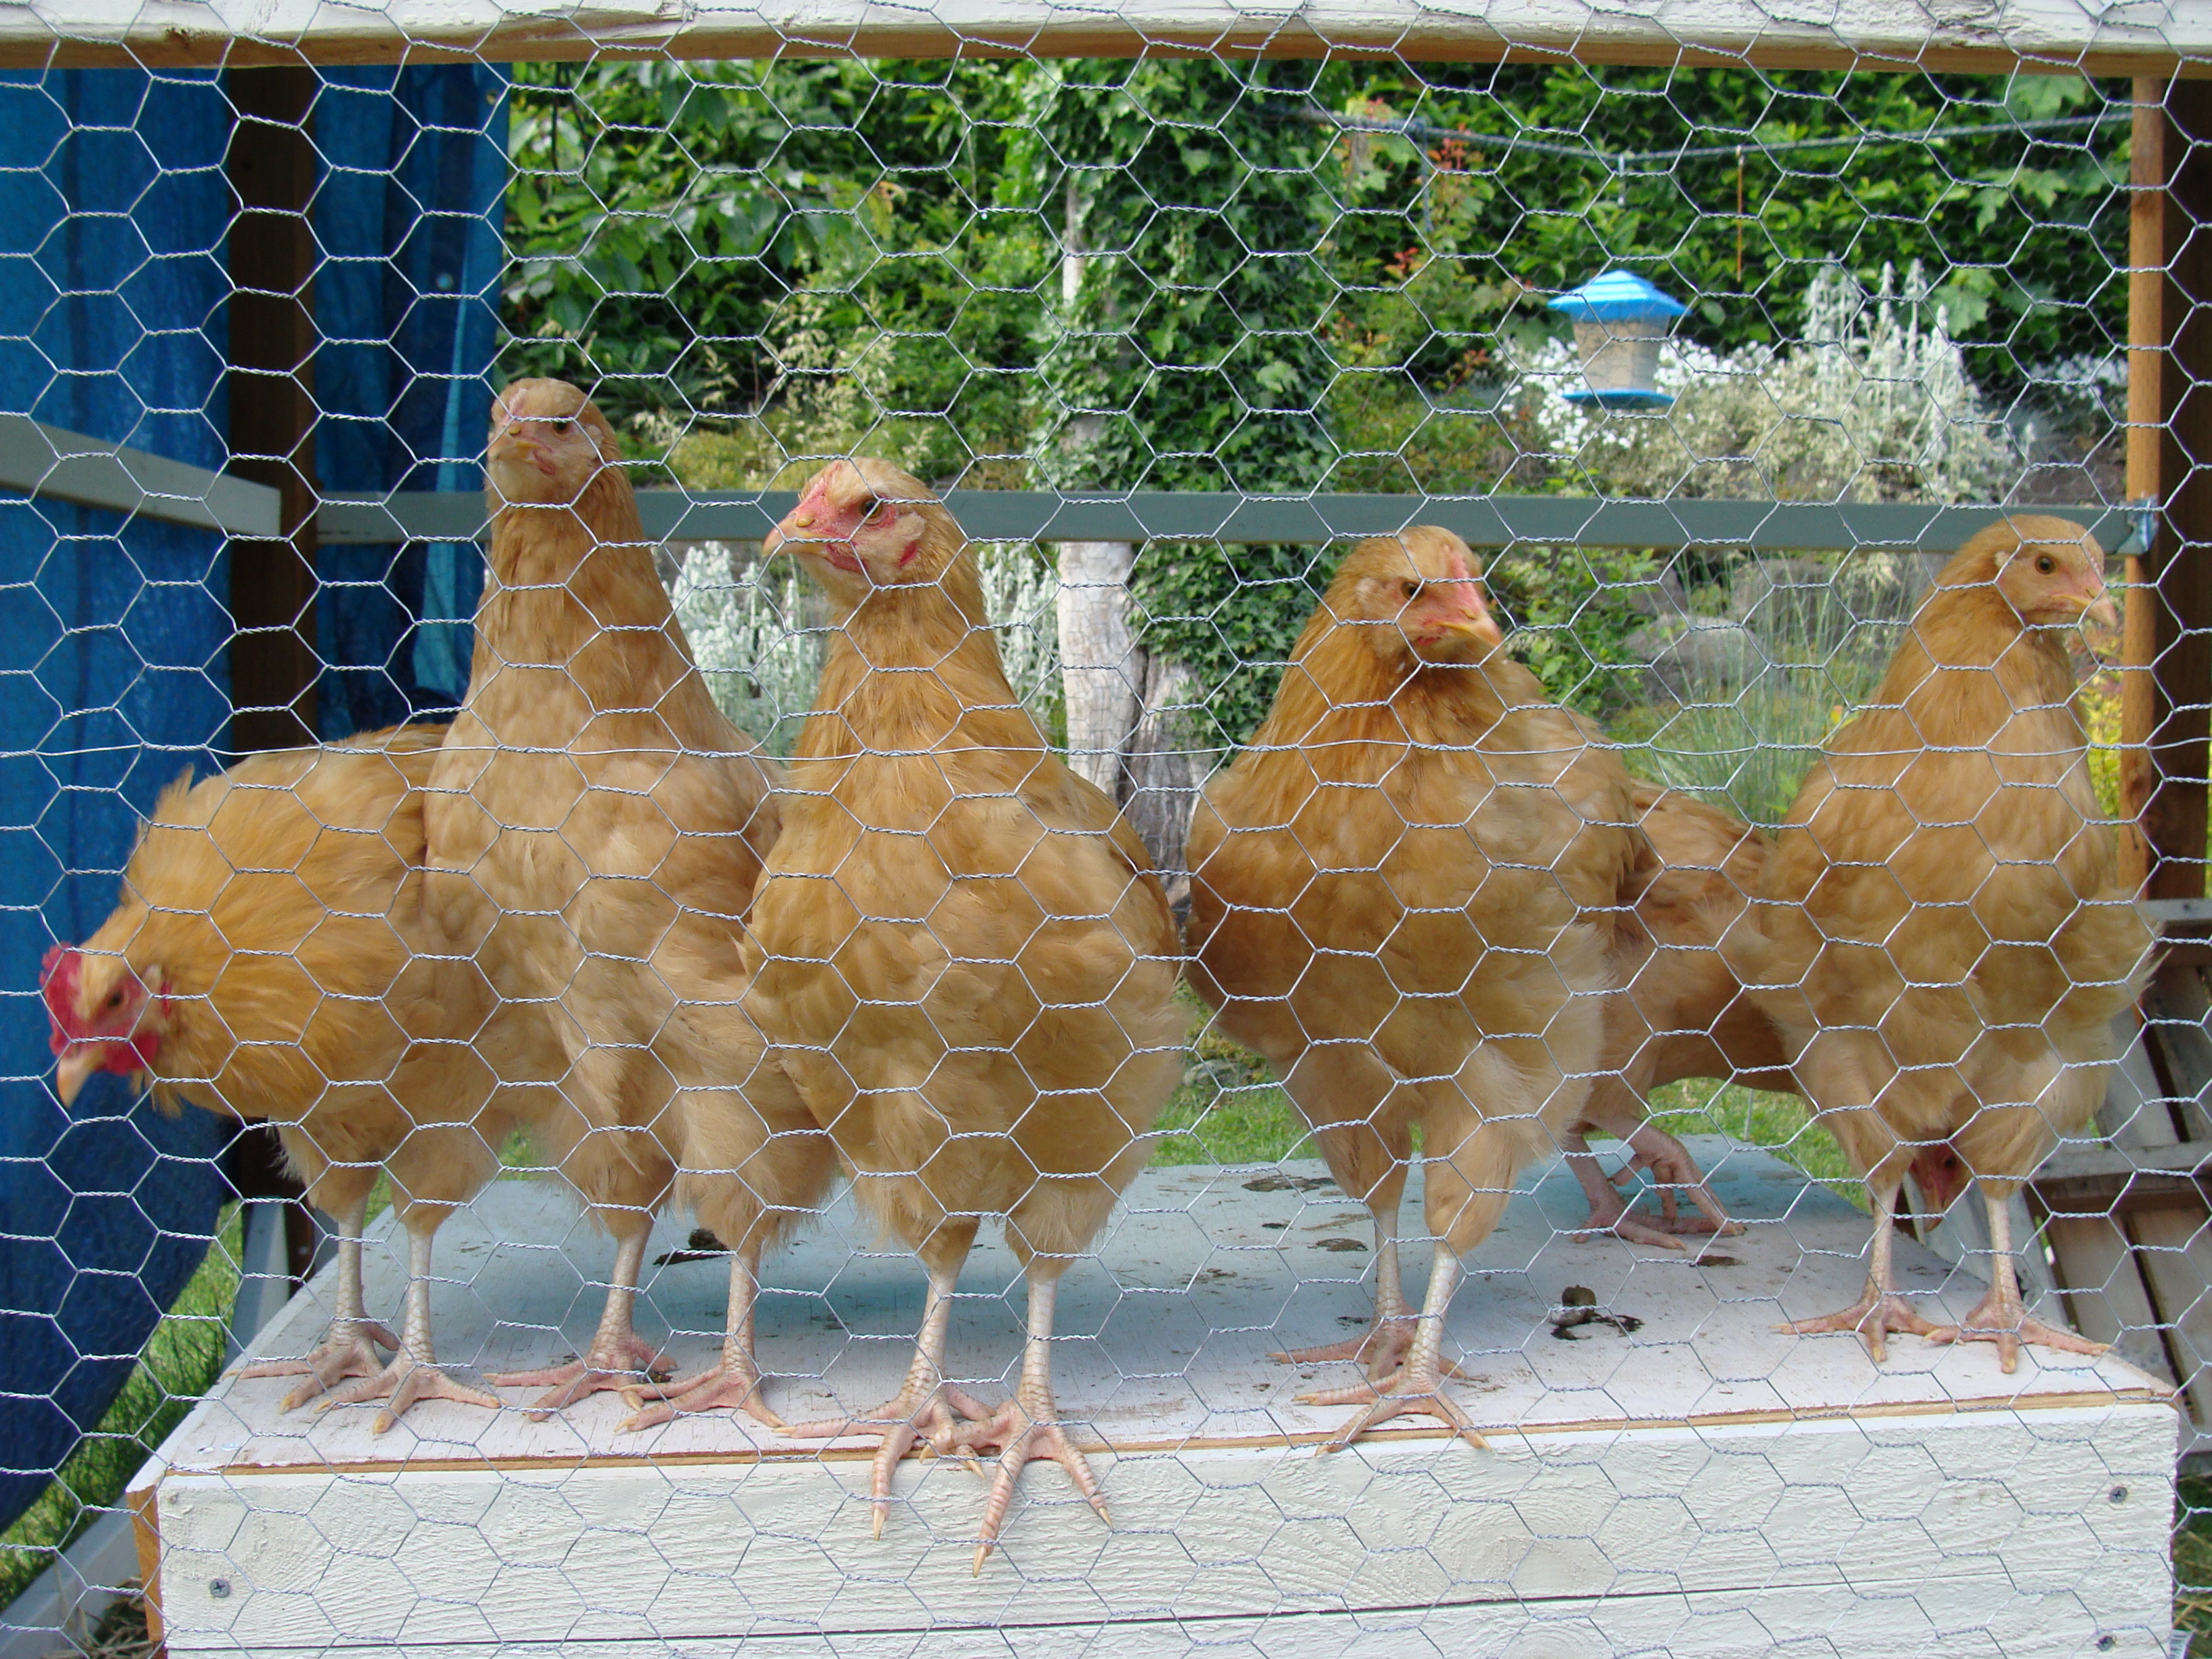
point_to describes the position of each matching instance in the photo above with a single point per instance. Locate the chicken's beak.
(1476, 623)
(71, 1070)
(811, 531)
(2097, 607)
(513, 443)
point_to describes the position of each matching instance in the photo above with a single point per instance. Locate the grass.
(122, 1633)
(181, 1359)
(1779, 1124)
(2192, 1562)
(1211, 1122)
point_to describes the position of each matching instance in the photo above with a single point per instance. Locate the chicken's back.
(1942, 923)
(1963, 864)
(277, 901)
(589, 777)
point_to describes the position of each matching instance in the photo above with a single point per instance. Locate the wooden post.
(273, 665)
(271, 166)
(2146, 334)
(2166, 694)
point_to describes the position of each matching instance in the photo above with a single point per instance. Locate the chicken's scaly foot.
(1025, 1431)
(403, 1382)
(1418, 1384)
(1674, 1172)
(2001, 1316)
(1617, 1220)
(726, 1384)
(1983, 1325)
(1381, 1351)
(1874, 1316)
(625, 1362)
(933, 1416)
(345, 1351)
(735, 1380)
(926, 1408)
(1879, 1309)
(1405, 1392)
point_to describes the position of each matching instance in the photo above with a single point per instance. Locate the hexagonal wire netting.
(1401, 730)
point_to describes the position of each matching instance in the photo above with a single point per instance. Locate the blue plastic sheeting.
(409, 215)
(114, 678)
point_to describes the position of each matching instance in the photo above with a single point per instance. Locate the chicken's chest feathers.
(1447, 828)
(894, 885)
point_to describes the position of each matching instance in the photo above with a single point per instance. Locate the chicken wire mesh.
(1168, 651)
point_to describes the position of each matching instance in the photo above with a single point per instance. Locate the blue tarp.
(114, 662)
(113, 680)
(408, 215)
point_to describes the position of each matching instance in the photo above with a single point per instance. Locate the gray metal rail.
(1019, 515)
(43, 461)
(51, 461)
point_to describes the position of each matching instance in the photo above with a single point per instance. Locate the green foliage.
(1231, 613)
(1178, 274)
(1180, 350)
(1747, 755)
(1572, 611)
(1780, 1124)
(2192, 1561)
(715, 237)
(2022, 234)
(1242, 1123)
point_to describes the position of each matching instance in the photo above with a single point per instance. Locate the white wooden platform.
(1702, 1487)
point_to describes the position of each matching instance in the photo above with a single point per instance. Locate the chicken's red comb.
(58, 982)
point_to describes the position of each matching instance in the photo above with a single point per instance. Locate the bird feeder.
(1620, 321)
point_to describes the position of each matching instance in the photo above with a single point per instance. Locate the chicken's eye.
(2046, 564)
(871, 508)
(115, 999)
(563, 425)
(1413, 590)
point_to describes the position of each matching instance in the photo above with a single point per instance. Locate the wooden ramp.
(1700, 1485)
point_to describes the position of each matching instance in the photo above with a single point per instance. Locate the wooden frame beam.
(272, 165)
(58, 464)
(2167, 693)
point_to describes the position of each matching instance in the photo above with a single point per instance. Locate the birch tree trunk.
(1102, 669)
(1167, 764)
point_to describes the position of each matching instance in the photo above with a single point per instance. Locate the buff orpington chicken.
(1942, 933)
(1404, 892)
(265, 962)
(963, 956)
(596, 829)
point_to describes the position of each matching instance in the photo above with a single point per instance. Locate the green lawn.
(2192, 1563)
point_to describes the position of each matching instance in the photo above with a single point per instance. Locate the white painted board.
(1706, 1476)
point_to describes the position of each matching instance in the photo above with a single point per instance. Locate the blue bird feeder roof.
(1618, 296)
